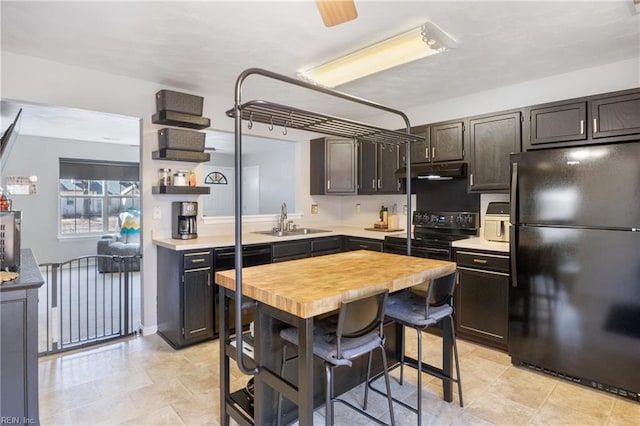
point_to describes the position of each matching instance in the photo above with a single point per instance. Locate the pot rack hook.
(271, 125)
(250, 125)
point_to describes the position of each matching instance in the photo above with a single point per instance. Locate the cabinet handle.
(208, 279)
(582, 127)
(433, 153)
(328, 184)
(480, 261)
(426, 153)
(373, 184)
(197, 261)
(363, 247)
(471, 179)
(595, 125)
(197, 330)
(379, 183)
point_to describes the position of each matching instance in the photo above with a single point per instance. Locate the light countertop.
(213, 241)
(480, 243)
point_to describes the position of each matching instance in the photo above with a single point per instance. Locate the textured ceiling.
(202, 46)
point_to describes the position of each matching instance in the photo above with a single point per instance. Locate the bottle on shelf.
(192, 178)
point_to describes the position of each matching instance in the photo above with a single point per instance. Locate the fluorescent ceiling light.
(412, 45)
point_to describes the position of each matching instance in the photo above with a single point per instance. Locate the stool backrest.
(440, 291)
(361, 315)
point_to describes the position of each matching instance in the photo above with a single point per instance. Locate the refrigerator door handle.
(513, 245)
(514, 193)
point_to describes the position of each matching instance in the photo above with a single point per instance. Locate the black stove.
(433, 233)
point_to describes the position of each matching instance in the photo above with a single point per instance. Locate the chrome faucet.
(283, 217)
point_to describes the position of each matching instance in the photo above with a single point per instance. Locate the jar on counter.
(181, 178)
(164, 176)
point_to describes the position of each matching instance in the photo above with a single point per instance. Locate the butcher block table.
(293, 293)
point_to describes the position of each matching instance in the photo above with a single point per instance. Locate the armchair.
(125, 243)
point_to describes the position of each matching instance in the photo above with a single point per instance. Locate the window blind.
(74, 168)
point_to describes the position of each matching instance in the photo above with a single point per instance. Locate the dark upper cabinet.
(376, 168)
(447, 142)
(491, 140)
(442, 142)
(333, 166)
(616, 116)
(558, 123)
(604, 118)
(420, 151)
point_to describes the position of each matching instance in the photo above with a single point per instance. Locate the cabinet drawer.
(199, 259)
(493, 262)
(291, 249)
(362, 244)
(326, 244)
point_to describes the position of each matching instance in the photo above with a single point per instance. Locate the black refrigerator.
(574, 300)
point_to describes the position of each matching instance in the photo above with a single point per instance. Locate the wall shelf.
(192, 190)
(179, 119)
(181, 155)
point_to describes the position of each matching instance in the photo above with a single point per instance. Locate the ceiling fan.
(336, 12)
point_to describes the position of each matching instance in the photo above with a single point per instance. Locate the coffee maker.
(184, 214)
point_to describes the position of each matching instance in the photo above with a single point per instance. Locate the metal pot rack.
(273, 114)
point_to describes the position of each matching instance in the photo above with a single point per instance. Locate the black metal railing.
(88, 300)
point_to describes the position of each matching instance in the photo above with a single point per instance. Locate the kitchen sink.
(297, 231)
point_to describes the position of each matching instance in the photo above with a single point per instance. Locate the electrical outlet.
(157, 213)
(404, 210)
(357, 208)
(314, 209)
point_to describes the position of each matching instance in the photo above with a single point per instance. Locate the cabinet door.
(340, 166)
(387, 166)
(197, 305)
(492, 139)
(482, 306)
(367, 170)
(559, 123)
(616, 116)
(447, 142)
(420, 151)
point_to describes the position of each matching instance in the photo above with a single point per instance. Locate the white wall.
(36, 80)
(38, 156)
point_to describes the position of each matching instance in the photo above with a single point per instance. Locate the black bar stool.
(338, 339)
(420, 310)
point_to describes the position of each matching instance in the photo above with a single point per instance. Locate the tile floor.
(141, 381)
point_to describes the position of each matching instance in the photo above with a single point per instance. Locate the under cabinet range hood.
(444, 171)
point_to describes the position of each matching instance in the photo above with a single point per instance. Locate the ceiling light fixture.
(418, 43)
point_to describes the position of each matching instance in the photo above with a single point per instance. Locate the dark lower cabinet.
(482, 297)
(185, 296)
(19, 344)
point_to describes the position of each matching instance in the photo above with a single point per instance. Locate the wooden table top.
(316, 285)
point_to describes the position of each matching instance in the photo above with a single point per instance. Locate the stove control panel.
(462, 220)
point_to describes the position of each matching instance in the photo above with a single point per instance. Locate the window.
(93, 194)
